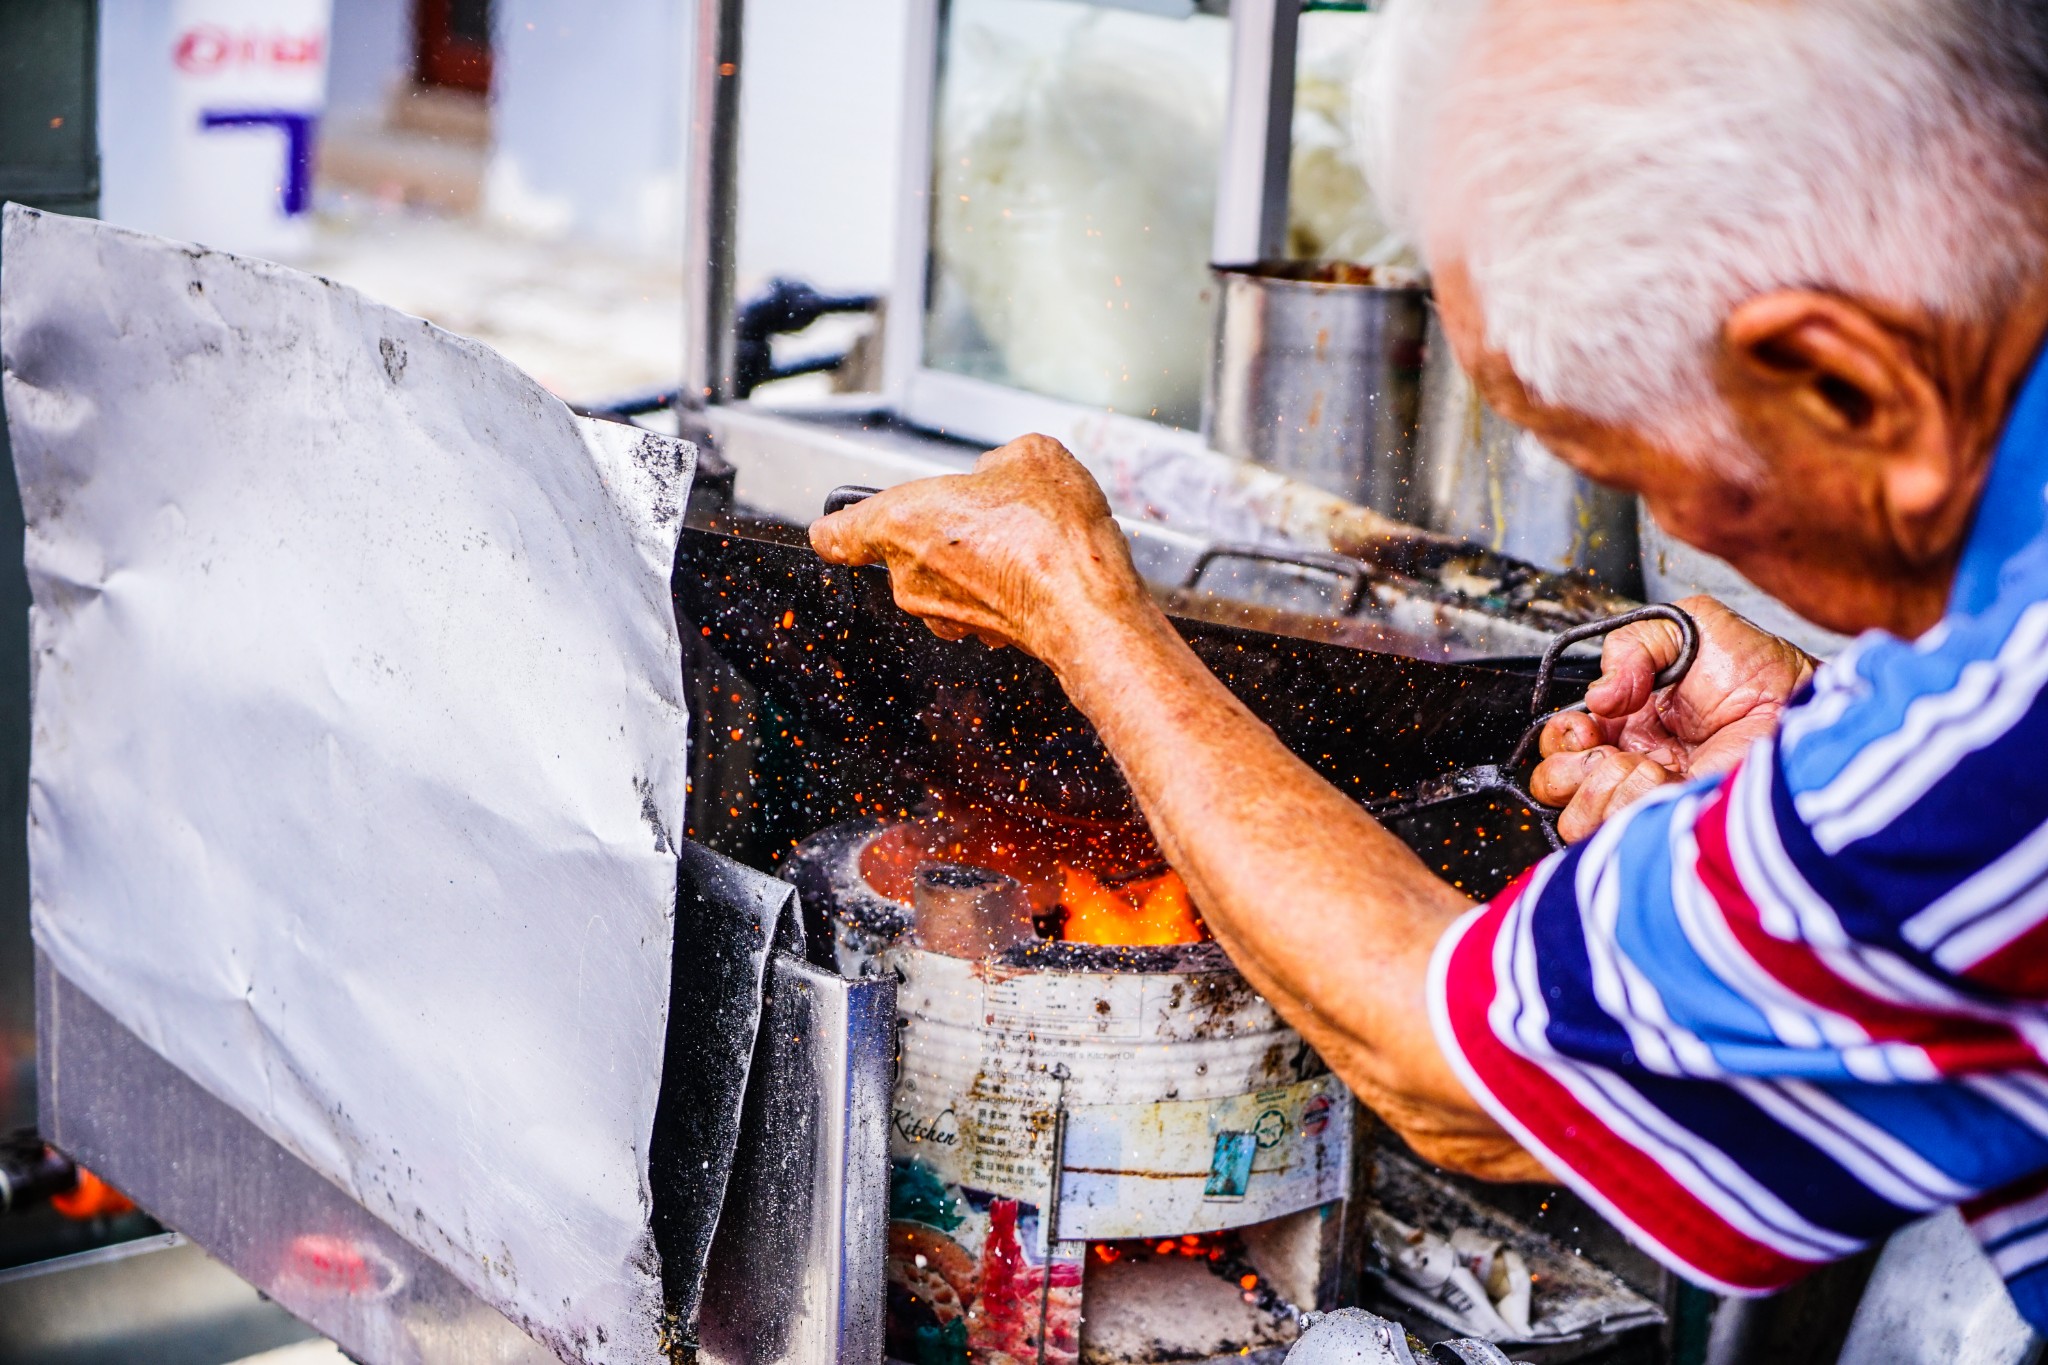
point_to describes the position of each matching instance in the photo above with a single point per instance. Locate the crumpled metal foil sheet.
(359, 747)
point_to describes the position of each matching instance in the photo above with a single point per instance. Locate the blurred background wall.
(512, 169)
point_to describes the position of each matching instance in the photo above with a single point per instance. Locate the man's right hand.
(1634, 738)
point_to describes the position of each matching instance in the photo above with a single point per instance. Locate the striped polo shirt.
(1764, 1019)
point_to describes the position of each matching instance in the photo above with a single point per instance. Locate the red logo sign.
(207, 49)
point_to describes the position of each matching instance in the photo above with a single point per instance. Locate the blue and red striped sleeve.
(1763, 1020)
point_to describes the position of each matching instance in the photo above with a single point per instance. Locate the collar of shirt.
(2010, 513)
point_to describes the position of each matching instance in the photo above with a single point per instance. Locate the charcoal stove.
(844, 745)
(1119, 1151)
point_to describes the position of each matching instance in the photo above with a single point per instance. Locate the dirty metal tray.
(817, 699)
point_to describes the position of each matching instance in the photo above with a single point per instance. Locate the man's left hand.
(1633, 738)
(1023, 551)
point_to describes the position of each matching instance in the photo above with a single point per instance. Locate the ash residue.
(667, 463)
(651, 813)
(1059, 956)
(825, 870)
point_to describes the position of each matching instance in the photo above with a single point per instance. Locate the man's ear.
(1817, 377)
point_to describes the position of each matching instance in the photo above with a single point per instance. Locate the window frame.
(1250, 222)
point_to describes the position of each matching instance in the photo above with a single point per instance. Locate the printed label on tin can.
(1146, 1170)
(1074, 1006)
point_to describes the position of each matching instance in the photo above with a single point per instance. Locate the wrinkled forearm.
(1326, 913)
(1330, 916)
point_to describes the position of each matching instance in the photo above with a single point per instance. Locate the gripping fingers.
(1630, 660)
(1614, 781)
(1570, 732)
(885, 527)
(844, 537)
(1558, 777)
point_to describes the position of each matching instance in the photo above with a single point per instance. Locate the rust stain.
(1214, 1002)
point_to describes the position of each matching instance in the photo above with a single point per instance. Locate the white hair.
(1627, 174)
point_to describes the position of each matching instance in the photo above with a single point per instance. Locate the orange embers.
(1074, 870)
(1155, 910)
(1200, 1246)
(92, 1197)
(1031, 849)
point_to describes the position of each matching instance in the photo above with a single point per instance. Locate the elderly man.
(1781, 268)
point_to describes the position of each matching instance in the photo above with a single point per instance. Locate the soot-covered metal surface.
(820, 700)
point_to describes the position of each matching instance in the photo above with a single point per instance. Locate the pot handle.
(1356, 576)
(1688, 650)
(846, 495)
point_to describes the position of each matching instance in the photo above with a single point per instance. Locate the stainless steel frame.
(903, 342)
(1251, 179)
(111, 1102)
(711, 174)
(926, 421)
(796, 1272)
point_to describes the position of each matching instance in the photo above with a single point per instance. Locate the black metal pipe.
(32, 1171)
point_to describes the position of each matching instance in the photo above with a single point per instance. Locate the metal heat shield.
(770, 1218)
(112, 1102)
(770, 1215)
(360, 742)
(796, 1272)
(373, 960)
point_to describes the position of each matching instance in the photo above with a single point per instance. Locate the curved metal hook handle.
(1688, 645)
(846, 495)
(1688, 650)
(1354, 577)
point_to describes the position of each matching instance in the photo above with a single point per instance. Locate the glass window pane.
(1073, 196)
(1330, 211)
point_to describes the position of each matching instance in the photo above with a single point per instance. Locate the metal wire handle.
(1688, 650)
(1354, 576)
(846, 495)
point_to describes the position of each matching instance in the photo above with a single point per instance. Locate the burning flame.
(1052, 857)
(1200, 1246)
(91, 1198)
(1136, 914)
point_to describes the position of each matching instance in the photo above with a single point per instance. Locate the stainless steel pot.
(1481, 478)
(1316, 374)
